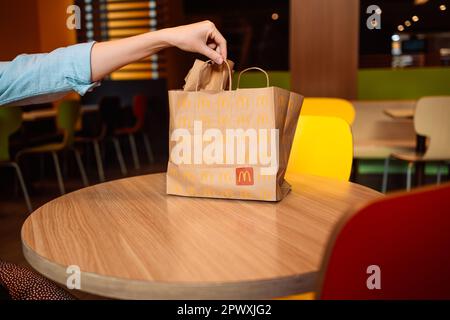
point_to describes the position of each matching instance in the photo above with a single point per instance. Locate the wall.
(410, 83)
(32, 26)
(256, 79)
(373, 84)
(52, 25)
(324, 47)
(19, 28)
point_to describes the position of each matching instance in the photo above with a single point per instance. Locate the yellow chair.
(329, 107)
(323, 146)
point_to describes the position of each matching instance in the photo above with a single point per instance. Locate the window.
(115, 19)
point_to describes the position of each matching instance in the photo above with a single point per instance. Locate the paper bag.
(205, 76)
(231, 144)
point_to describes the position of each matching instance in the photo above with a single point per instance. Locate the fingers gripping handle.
(230, 80)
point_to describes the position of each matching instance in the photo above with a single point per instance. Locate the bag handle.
(253, 68)
(230, 81)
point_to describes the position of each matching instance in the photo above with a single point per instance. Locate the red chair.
(140, 103)
(406, 236)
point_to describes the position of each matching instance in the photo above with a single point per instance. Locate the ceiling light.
(415, 18)
(401, 28)
(275, 16)
(442, 7)
(407, 23)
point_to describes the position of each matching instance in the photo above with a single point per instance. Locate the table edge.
(120, 288)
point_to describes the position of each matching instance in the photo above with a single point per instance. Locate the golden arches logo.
(242, 102)
(223, 102)
(184, 103)
(244, 177)
(204, 102)
(262, 101)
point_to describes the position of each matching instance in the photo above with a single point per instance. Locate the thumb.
(211, 54)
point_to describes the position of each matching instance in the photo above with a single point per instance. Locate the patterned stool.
(23, 284)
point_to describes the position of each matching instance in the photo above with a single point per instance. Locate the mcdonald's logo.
(244, 177)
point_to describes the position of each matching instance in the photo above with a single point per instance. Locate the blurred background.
(381, 61)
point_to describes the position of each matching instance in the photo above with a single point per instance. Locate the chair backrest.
(322, 146)
(140, 104)
(10, 122)
(109, 108)
(329, 107)
(69, 113)
(432, 119)
(396, 247)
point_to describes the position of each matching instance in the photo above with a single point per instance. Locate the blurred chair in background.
(432, 119)
(322, 146)
(394, 248)
(68, 115)
(110, 112)
(329, 107)
(376, 135)
(10, 122)
(140, 105)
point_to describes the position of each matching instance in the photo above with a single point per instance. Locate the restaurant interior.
(83, 179)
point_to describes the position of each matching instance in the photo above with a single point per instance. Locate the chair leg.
(148, 148)
(98, 158)
(23, 186)
(409, 176)
(385, 175)
(15, 187)
(41, 166)
(134, 152)
(354, 172)
(439, 174)
(65, 166)
(81, 167)
(119, 154)
(62, 190)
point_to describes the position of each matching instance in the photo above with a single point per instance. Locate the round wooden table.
(132, 241)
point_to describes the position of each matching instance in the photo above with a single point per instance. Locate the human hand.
(202, 37)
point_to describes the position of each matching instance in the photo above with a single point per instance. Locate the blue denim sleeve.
(46, 76)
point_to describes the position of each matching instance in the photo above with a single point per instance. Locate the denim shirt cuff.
(45, 76)
(81, 76)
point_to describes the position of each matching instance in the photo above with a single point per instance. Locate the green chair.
(69, 113)
(10, 122)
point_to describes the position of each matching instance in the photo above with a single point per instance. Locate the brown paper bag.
(205, 76)
(231, 144)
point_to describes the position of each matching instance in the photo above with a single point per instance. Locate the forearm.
(109, 56)
(202, 37)
(44, 77)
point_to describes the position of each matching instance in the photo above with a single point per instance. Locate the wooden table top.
(132, 241)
